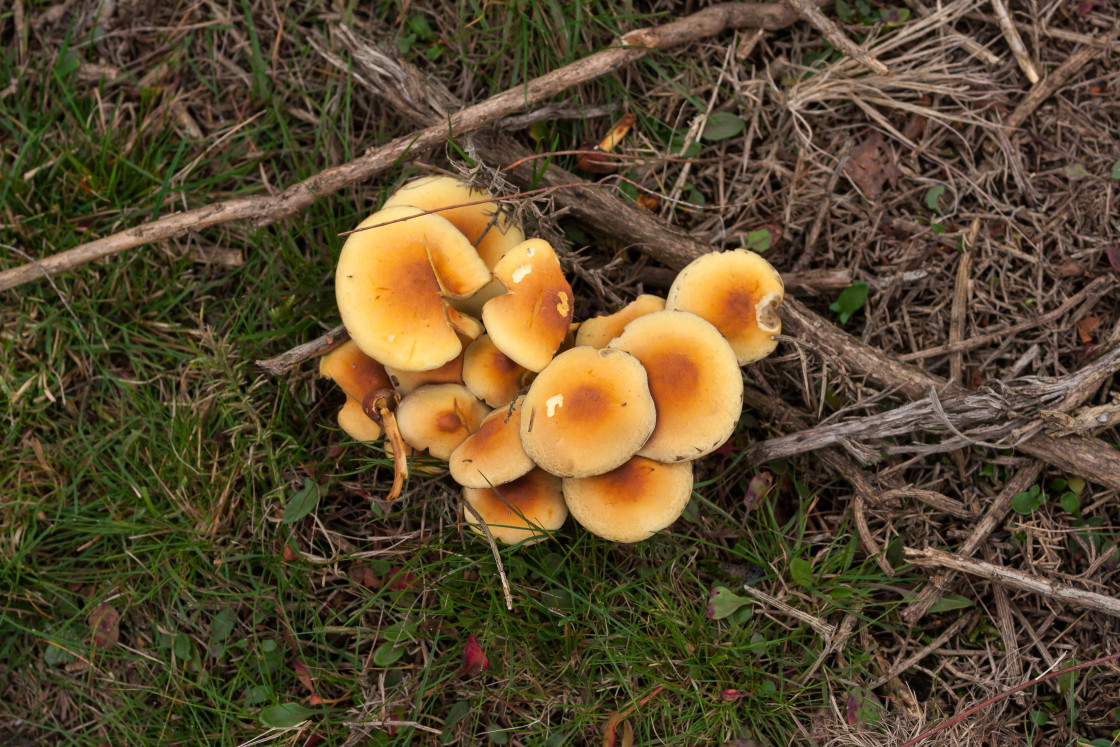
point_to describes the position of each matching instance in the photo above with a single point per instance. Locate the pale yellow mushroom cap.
(597, 331)
(353, 420)
(587, 413)
(737, 291)
(630, 503)
(355, 372)
(518, 511)
(695, 381)
(529, 322)
(439, 417)
(390, 285)
(493, 454)
(491, 375)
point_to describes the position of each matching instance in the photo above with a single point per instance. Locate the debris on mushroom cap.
(355, 372)
(521, 510)
(439, 417)
(632, 502)
(493, 454)
(529, 322)
(451, 372)
(489, 228)
(390, 285)
(352, 419)
(491, 375)
(485, 225)
(587, 413)
(597, 331)
(737, 291)
(695, 381)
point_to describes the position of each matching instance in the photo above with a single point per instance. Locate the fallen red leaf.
(303, 674)
(474, 658)
(731, 695)
(401, 581)
(105, 622)
(1112, 251)
(1087, 327)
(289, 554)
(757, 489)
(1069, 269)
(871, 165)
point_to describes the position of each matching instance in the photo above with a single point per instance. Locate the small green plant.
(850, 301)
(1028, 501)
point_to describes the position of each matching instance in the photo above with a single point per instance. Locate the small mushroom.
(391, 282)
(493, 454)
(355, 372)
(491, 375)
(519, 511)
(695, 381)
(451, 372)
(439, 417)
(597, 331)
(587, 413)
(737, 291)
(630, 503)
(352, 419)
(530, 321)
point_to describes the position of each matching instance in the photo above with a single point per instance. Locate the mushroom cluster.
(463, 348)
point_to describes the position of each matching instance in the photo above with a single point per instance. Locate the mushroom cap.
(530, 321)
(695, 381)
(518, 511)
(353, 420)
(599, 330)
(489, 229)
(631, 503)
(737, 291)
(390, 285)
(439, 417)
(451, 372)
(491, 375)
(587, 413)
(493, 454)
(355, 372)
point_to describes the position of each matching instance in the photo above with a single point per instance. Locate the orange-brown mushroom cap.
(519, 511)
(597, 331)
(451, 372)
(439, 417)
(352, 419)
(529, 322)
(630, 503)
(493, 454)
(355, 372)
(391, 281)
(695, 381)
(737, 291)
(485, 225)
(587, 413)
(491, 375)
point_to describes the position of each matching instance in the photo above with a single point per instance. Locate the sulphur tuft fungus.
(520, 511)
(630, 503)
(439, 417)
(737, 291)
(493, 454)
(597, 331)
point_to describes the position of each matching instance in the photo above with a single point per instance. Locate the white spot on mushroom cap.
(391, 338)
(520, 273)
(553, 402)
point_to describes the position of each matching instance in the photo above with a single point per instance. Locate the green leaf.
(1028, 501)
(402, 631)
(723, 602)
(760, 239)
(182, 647)
(1040, 718)
(285, 715)
(1077, 172)
(1076, 484)
(1116, 171)
(722, 125)
(677, 147)
(302, 502)
(802, 571)
(844, 11)
(56, 656)
(222, 625)
(387, 654)
(496, 735)
(455, 714)
(933, 194)
(950, 602)
(850, 301)
(1071, 503)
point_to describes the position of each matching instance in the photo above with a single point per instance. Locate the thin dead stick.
(839, 39)
(824, 630)
(934, 558)
(1018, 48)
(924, 651)
(1055, 80)
(972, 46)
(1097, 289)
(264, 210)
(1018, 688)
(497, 555)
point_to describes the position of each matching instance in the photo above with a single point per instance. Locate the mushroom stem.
(379, 406)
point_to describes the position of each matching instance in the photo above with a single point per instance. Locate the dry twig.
(839, 39)
(1018, 48)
